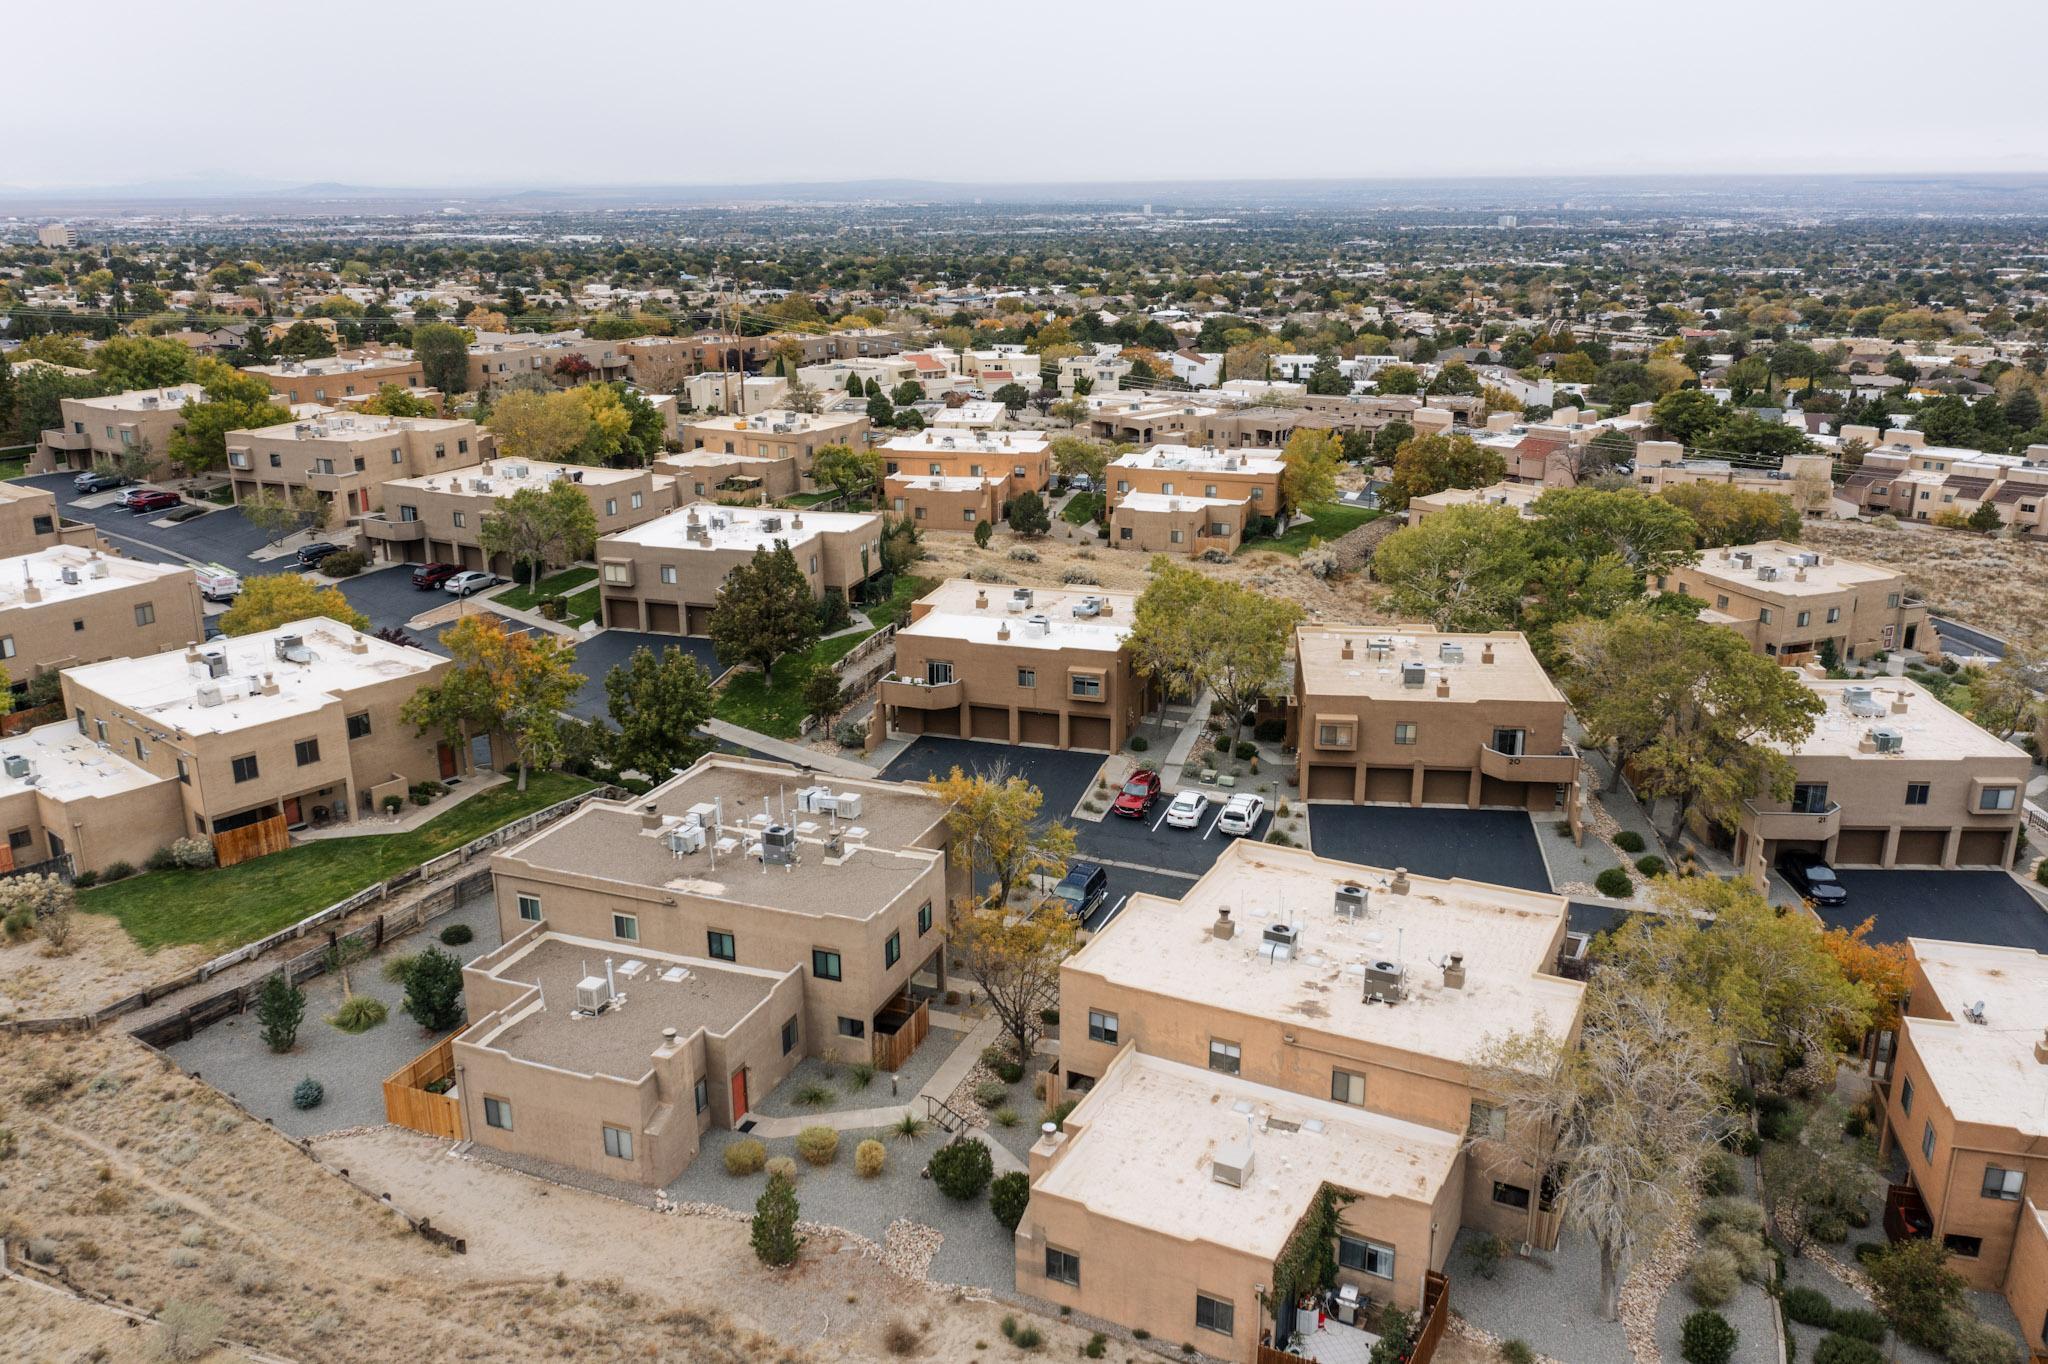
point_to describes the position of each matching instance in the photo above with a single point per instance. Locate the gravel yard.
(838, 1079)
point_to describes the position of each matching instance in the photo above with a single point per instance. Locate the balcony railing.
(378, 526)
(1562, 765)
(914, 693)
(1793, 824)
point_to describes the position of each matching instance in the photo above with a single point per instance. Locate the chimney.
(357, 644)
(668, 1037)
(1799, 576)
(1003, 630)
(1400, 885)
(2041, 1048)
(1899, 699)
(1347, 649)
(1223, 927)
(270, 684)
(796, 522)
(1454, 972)
(650, 818)
(1486, 652)
(981, 599)
(1443, 686)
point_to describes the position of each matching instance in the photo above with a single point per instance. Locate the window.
(1368, 1257)
(1803, 618)
(1404, 732)
(1893, 599)
(359, 725)
(722, 947)
(936, 673)
(1763, 615)
(638, 498)
(1487, 1120)
(1214, 1314)
(100, 728)
(1347, 1087)
(145, 613)
(1225, 1056)
(1964, 1247)
(924, 918)
(6, 646)
(19, 840)
(461, 518)
(668, 574)
(184, 772)
(529, 908)
(81, 719)
(276, 460)
(617, 573)
(1906, 1096)
(789, 1037)
(852, 1027)
(701, 1092)
(1916, 793)
(1996, 798)
(1721, 603)
(892, 950)
(1063, 1267)
(2003, 1184)
(498, 1114)
(1834, 614)
(397, 456)
(825, 965)
(1123, 532)
(611, 506)
(1333, 736)
(1085, 685)
(1810, 798)
(45, 525)
(618, 1143)
(1510, 1195)
(626, 927)
(307, 751)
(245, 767)
(1102, 1027)
(1927, 1140)
(1174, 537)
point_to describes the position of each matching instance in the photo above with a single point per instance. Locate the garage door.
(622, 613)
(699, 618)
(1499, 792)
(1442, 786)
(1920, 847)
(1860, 847)
(1038, 727)
(1087, 731)
(946, 722)
(1981, 848)
(1327, 781)
(664, 618)
(989, 722)
(1389, 785)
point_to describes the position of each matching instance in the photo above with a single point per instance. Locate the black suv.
(1812, 877)
(311, 555)
(1083, 889)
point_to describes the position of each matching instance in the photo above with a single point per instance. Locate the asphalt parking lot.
(1497, 846)
(1963, 906)
(388, 597)
(222, 536)
(607, 649)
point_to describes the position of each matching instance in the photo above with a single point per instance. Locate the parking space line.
(1114, 910)
(1162, 817)
(1213, 823)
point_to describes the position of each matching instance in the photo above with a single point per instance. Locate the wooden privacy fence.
(893, 1045)
(261, 839)
(408, 1102)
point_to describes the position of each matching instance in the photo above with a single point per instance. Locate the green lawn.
(14, 460)
(582, 607)
(775, 706)
(802, 500)
(228, 906)
(554, 585)
(1327, 521)
(1081, 508)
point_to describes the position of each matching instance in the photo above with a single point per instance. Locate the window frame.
(254, 773)
(1104, 1027)
(618, 1142)
(819, 956)
(1226, 1050)
(625, 927)
(519, 906)
(1062, 1266)
(302, 748)
(712, 943)
(791, 1035)
(1368, 1252)
(1354, 1082)
(498, 1113)
(892, 949)
(1227, 1309)
(2017, 1190)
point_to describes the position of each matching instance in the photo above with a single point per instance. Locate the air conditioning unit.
(1767, 574)
(69, 575)
(778, 845)
(1038, 627)
(847, 803)
(1385, 979)
(1088, 607)
(686, 838)
(209, 693)
(1351, 901)
(816, 800)
(1862, 701)
(1888, 740)
(17, 766)
(216, 662)
(96, 569)
(593, 995)
(771, 524)
(1283, 935)
(1744, 557)
(1233, 1164)
(292, 649)
(1449, 651)
(1413, 674)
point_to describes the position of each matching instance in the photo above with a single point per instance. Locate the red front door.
(739, 1094)
(447, 757)
(291, 810)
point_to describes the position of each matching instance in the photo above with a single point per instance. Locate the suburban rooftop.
(1927, 728)
(91, 572)
(145, 399)
(508, 476)
(963, 609)
(350, 426)
(1150, 1132)
(936, 439)
(1379, 654)
(946, 483)
(318, 366)
(772, 421)
(1516, 495)
(740, 528)
(65, 765)
(1986, 1072)
(1508, 938)
(1200, 459)
(1173, 502)
(1822, 573)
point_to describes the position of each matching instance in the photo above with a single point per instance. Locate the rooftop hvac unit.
(17, 766)
(1767, 574)
(816, 800)
(1448, 651)
(593, 995)
(1037, 627)
(96, 569)
(1384, 979)
(686, 838)
(1351, 900)
(1088, 607)
(69, 575)
(1862, 701)
(771, 524)
(292, 649)
(778, 845)
(1806, 558)
(1284, 935)
(1744, 557)
(209, 693)
(1888, 740)
(1233, 1164)
(1413, 674)
(216, 662)
(847, 803)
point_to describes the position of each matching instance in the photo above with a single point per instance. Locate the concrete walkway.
(787, 752)
(366, 826)
(1191, 729)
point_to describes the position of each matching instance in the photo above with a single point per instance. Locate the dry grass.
(103, 964)
(1995, 584)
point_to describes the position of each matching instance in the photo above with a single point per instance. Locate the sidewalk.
(1192, 727)
(787, 752)
(413, 816)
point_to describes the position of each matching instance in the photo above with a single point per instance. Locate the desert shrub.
(433, 990)
(815, 1095)
(818, 1145)
(1718, 1174)
(1829, 1228)
(1007, 1197)
(186, 1331)
(1010, 1072)
(85, 880)
(455, 935)
(1629, 841)
(116, 871)
(860, 1075)
(850, 734)
(1752, 1256)
(359, 1014)
(909, 1125)
(1916, 1290)
(1246, 750)
(1517, 1352)
(1097, 1346)
(990, 1093)
(8, 1143)
(1860, 1323)
(745, 1157)
(194, 853)
(344, 564)
(899, 1337)
(782, 1167)
(279, 1008)
(962, 1169)
(1971, 1341)
(1714, 1279)
(774, 1234)
(1743, 1214)
(163, 859)
(1074, 573)
(1614, 883)
(1650, 865)
(1706, 1338)
(308, 1093)
(1840, 1349)
(1023, 554)
(1005, 1117)
(393, 804)
(1320, 561)
(1139, 743)
(1809, 1307)
(1027, 1338)
(869, 1157)
(397, 967)
(1485, 1254)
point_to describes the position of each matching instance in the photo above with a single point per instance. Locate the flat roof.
(1927, 728)
(1831, 573)
(657, 991)
(1986, 1072)
(508, 476)
(1200, 459)
(91, 571)
(145, 399)
(320, 366)
(740, 528)
(952, 614)
(1516, 495)
(343, 425)
(775, 421)
(1506, 935)
(168, 688)
(878, 862)
(1173, 502)
(1379, 652)
(65, 765)
(943, 483)
(938, 440)
(1151, 1131)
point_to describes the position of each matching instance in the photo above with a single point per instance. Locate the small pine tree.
(775, 1238)
(983, 533)
(279, 1008)
(1028, 515)
(1986, 517)
(433, 990)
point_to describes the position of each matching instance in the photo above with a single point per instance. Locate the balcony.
(380, 527)
(914, 693)
(58, 438)
(1561, 766)
(1799, 825)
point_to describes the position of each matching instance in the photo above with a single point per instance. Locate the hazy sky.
(524, 92)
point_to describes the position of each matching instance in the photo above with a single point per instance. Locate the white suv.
(1240, 815)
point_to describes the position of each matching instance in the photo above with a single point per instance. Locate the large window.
(498, 1113)
(307, 751)
(1810, 798)
(1367, 1257)
(626, 927)
(720, 946)
(529, 908)
(1963, 1247)
(824, 965)
(1063, 1266)
(1087, 686)
(1102, 1027)
(1225, 1056)
(145, 613)
(1347, 1087)
(1214, 1314)
(2005, 1184)
(245, 768)
(359, 725)
(852, 1027)
(618, 1143)
(1916, 793)
(1510, 1195)
(892, 950)
(1997, 798)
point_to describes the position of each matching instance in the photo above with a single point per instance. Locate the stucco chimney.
(1347, 648)
(1899, 699)
(1223, 927)
(650, 818)
(1443, 686)
(1400, 884)
(1486, 652)
(1454, 972)
(981, 599)
(1003, 630)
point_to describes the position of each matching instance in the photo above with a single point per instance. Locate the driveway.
(222, 536)
(1063, 774)
(607, 649)
(1963, 906)
(1495, 846)
(388, 597)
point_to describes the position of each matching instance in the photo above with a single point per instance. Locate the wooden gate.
(408, 1102)
(260, 839)
(894, 1044)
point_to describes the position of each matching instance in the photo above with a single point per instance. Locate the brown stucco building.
(69, 604)
(1788, 601)
(346, 458)
(30, 521)
(1022, 459)
(107, 429)
(945, 504)
(339, 379)
(664, 575)
(438, 519)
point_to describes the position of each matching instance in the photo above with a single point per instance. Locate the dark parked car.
(429, 576)
(98, 481)
(311, 555)
(152, 501)
(1135, 800)
(1083, 889)
(1812, 877)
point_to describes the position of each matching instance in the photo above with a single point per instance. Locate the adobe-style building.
(1019, 665)
(1966, 1105)
(1189, 500)
(1408, 715)
(1890, 777)
(1788, 601)
(664, 575)
(775, 434)
(338, 379)
(347, 458)
(439, 518)
(30, 521)
(1023, 459)
(1291, 1022)
(1903, 476)
(107, 429)
(1519, 496)
(935, 502)
(1807, 480)
(70, 604)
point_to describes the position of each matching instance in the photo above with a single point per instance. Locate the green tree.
(824, 697)
(130, 362)
(1028, 516)
(1728, 515)
(393, 401)
(1072, 455)
(38, 396)
(1241, 639)
(304, 341)
(284, 513)
(279, 1008)
(906, 393)
(993, 818)
(1012, 396)
(1985, 517)
(1397, 379)
(848, 471)
(1651, 535)
(764, 610)
(1388, 440)
(1456, 378)
(273, 599)
(1308, 470)
(234, 402)
(983, 533)
(1327, 378)
(1463, 568)
(517, 683)
(433, 990)
(443, 353)
(1688, 416)
(1162, 639)
(658, 703)
(881, 411)
(541, 527)
(1430, 464)
(773, 1234)
(1916, 1290)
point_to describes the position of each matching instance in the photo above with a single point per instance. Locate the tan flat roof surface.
(145, 399)
(740, 528)
(1173, 502)
(1165, 947)
(953, 615)
(1929, 728)
(1206, 459)
(1153, 1129)
(1516, 495)
(1378, 651)
(351, 426)
(1832, 574)
(65, 765)
(765, 422)
(711, 995)
(939, 440)
(1986, 1072)
(45, 568)
(508, 476)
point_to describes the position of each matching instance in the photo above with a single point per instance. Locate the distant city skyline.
(239, 97)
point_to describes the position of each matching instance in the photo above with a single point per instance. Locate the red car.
(1135, 800)
(154, 501)
(433, 575)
